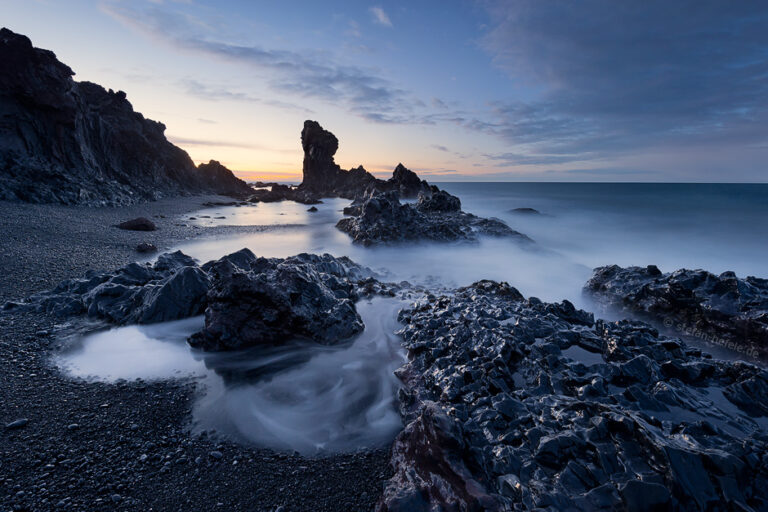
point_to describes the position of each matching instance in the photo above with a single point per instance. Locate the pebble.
(19, 423)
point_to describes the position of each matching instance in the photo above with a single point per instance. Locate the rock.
(438, 201)
(283, 193)
(323, 177)
(641, 496)
(146, 247)
(381, 218)
(525, 211)
(500, 415)
(312, 209)
(71, 142)
(215, 454)
(215, 177)
(255, 301)
(19, 423)
(138, 224)
(724, 310)
(172, 288)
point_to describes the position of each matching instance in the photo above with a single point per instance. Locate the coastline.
(127, 445)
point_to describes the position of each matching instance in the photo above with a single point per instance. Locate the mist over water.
(338, 399)
(301, 396)
(318, 399)
(582, 226)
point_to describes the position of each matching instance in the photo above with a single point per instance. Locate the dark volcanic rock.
(723, 309)
(256, 301)
(172, 288)
(381, 218)
(145, 247)
(218, 178)
(71, 142)
(312, 209)
(138, 224)
(514, 404)
(323, 177)
(525, 211)
(283, 193)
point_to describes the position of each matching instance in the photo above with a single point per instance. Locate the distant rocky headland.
(69, 142)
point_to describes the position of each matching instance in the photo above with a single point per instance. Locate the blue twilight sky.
(592, 90)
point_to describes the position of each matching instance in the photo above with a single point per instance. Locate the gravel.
(69, 444)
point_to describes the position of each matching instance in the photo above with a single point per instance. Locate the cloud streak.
(620, 76)
(313, 75)
(380, 17)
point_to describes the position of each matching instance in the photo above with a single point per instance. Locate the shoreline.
(129, 445)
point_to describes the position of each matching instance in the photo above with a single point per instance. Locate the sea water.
(317, 399)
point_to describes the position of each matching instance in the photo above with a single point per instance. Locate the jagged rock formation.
(172, 288)
(515, 404)
(71, 142)
(323, 177)
(247, 300)
(381, 218)
(257, 301)
(723, 309)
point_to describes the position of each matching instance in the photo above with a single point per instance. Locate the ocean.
(318, 399)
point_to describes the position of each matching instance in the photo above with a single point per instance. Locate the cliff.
(69, 142)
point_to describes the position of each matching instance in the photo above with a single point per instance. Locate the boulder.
(146, 247)
(255, 301)
(138, 224)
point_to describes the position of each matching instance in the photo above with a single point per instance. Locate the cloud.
(309, 74)
(184, 141)
(200, 90)
(380, 17)
(622, 76)
(440, 148)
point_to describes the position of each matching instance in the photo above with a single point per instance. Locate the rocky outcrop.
(247, 300)
(322, 176)
(71, 142)
(724, 309)
(257, 301)
(381, 218)
(172, 288)
(515, 404)
(278, 192)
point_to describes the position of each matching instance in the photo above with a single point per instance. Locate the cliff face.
(71, 142)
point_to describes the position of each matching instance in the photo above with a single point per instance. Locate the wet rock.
(525, 211)
(640, 496)
(255, 301)
(172, 288)
(16, 424)
(381, 218)
(71, 142)
(138, 224)
(312, 209)
(146, 247)
(283, 193)
(725, 310)
(535, 428)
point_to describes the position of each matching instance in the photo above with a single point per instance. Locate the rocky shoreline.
(508, 403)
(127, 446)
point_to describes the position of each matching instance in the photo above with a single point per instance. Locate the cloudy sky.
(591, 90)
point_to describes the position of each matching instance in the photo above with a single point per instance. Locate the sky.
(457, 90)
